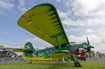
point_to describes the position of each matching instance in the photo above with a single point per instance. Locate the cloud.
(69, 19)
(72, 29)
(5, 32)
(85, 7)
(6, 5)
(58, 0)
(9, 45)
(21, 6)
(89, 31)
(62, 15)
(73, 38)
(38, 42)
(70, 22)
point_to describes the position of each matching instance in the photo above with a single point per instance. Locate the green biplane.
(44, 22)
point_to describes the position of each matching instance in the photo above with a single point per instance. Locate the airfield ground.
(52, 65)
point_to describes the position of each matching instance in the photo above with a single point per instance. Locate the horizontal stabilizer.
(59, 54)
(22, 50)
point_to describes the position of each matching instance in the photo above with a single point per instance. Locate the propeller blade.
(91, 47)
(89, 44)
(88, 41)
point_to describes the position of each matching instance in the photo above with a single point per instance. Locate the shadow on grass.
(49, 65)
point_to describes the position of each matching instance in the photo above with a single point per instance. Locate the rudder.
(31, 52)
(29, 46)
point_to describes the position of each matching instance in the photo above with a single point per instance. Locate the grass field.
(52, 65)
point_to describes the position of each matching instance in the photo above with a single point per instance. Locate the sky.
(80, 18)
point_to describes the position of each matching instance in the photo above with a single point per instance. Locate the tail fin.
(28, 51)
(29, 46)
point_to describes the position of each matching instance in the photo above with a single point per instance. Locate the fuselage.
(41, 54)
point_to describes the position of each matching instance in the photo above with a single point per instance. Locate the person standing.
(94, 56)
(2, 59)
(13, 57)
(97, 56)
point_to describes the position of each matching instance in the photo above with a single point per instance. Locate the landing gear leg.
(76, 62)
(63, 60)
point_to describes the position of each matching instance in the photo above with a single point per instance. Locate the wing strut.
(58, 42)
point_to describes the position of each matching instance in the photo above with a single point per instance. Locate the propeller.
(89, 43)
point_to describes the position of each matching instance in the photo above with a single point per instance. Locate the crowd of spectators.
(11, 57)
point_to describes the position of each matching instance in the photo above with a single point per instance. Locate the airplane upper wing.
(44, 22)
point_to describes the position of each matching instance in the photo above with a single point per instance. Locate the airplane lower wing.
(59, 54)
